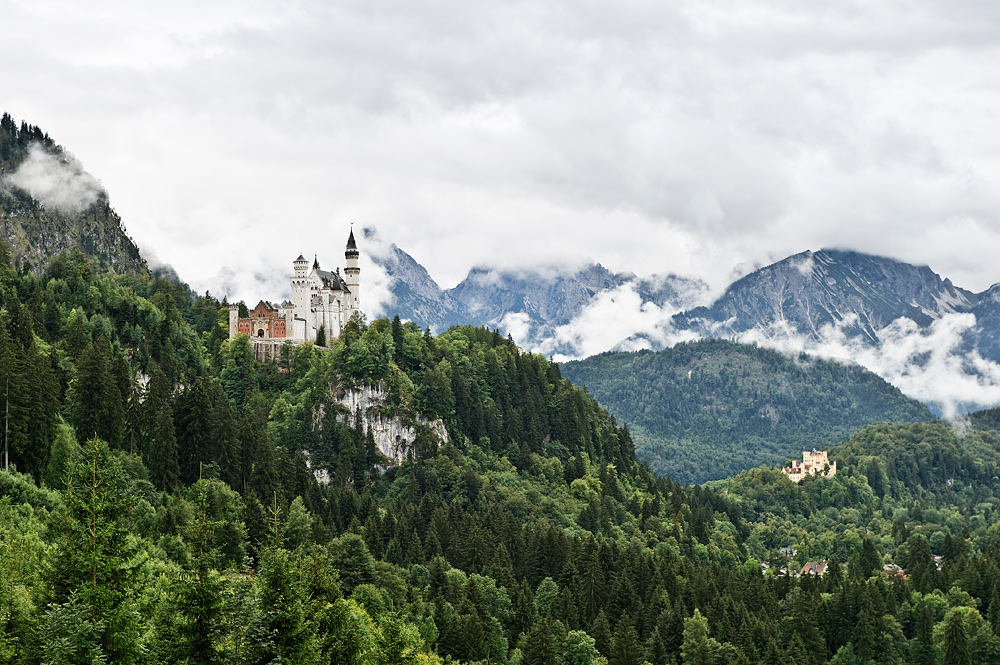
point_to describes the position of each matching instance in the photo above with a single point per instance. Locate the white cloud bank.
(56, 182)
(929, 364)
(681, 137)
(615, 319)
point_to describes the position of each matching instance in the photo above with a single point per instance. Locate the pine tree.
(197, 429)
(699, 648)
(867, 631)
(625, 648)
(804, 626)
(31, 404)
(195, 621)
(164, 470)
(922, 647)
(602, 634)
(65, 455)
(956, 640)
(540, 647)
(264, 476)
(92, 563)
(289, 634)
(95, 401)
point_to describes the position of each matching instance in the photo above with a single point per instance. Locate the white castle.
(321, 299)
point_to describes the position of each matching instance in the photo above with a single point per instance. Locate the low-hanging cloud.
(616, 318)
(247, 284)
(376, 287)
(56, 181)
(932, 364)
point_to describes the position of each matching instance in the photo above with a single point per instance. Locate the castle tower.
(352, 274)
(301, 266)
(234, 320)
(300, 291)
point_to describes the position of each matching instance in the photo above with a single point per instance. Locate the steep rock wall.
(393, 437)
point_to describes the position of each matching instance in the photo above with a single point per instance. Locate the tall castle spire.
(352, 272)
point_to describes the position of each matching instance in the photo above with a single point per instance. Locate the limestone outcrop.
(394, 438)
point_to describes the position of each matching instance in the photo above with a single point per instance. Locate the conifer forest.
(166, 497)
(160, 507)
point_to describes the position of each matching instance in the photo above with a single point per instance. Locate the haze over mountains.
(937, 342)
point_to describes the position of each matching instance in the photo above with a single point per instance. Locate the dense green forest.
(709, 409)
(160, 508)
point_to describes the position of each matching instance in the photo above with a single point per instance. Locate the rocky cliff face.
(801, 294)
(985, 336)
(393, 437)
(416, 296)
(50, 204)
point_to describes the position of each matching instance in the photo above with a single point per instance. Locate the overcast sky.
(686, 137)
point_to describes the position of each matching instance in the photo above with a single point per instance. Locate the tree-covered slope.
(49, 204)
(527, 532)
(709, 409)
(131, 413)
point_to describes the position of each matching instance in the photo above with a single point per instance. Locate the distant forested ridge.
(709, 409)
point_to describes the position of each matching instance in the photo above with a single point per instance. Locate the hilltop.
(50, 204)
(709, 409)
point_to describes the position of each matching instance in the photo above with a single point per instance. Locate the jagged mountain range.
(860, 293)
(533, 303)
(805, 294)
(912, 325)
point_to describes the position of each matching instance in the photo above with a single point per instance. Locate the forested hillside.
(709, 409)
(50, 204)
(162, 509)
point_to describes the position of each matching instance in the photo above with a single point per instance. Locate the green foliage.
(93, 565)
(709, 409)
(514, 526)
(288, 634)
(64, 456)
(699, 647)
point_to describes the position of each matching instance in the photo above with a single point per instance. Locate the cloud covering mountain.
(936, 342)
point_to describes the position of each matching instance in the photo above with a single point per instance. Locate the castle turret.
(300, 290)
(234, 320)
(301, 266)
(352, 273)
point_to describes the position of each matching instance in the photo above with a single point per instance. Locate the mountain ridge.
(707, 409)
(812, 289)
(49, 204)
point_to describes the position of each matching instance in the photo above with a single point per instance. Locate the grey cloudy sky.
(686, 137)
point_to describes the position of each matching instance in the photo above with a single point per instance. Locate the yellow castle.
(813, 462)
